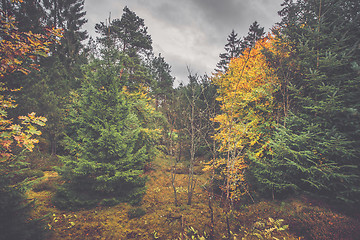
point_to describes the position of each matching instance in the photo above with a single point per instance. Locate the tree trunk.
(192, 181)
(173, 175)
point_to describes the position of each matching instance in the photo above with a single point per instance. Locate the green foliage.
(15, 216)
(265, 229)
(162, 85)
(110, 139)
(315, 146)
(15, 206)
(128, 34)
(136, 212)
(27, 173)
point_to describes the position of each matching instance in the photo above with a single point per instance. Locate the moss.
(158, 213)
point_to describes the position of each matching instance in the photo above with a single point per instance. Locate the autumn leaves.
(246, 95)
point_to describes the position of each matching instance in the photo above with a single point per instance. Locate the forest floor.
(158, 218)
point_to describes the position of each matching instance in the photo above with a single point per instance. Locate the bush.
(69, 199)
(26, 173)
(49, 185)
(42, 161)
(109, 202)
(15, 216)
(136, 213)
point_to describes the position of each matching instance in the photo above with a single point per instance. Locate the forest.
(96, 142)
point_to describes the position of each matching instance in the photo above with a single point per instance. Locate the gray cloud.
(189, 32)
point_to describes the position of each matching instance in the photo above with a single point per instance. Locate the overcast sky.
(189, 32)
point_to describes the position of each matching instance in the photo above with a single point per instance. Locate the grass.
(158, 218)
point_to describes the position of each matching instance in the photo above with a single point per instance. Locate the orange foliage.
(16, 49)
(247, 104)
(16, 134)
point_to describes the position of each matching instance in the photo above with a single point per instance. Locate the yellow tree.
(248, 114)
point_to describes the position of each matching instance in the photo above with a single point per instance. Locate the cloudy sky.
(189, 32)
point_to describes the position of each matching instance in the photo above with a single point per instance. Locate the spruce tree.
(162, 84)
(109, 139)
(255, 33)
(315, 148)
(232, 49)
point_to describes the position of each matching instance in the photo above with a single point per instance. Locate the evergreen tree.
(31, 16)
(68, 15)
(46, 92)
(236, 46)
(315, 149)
(162, 85)
(109, 139)
(129, 35)
(232, 49)
(255, 33)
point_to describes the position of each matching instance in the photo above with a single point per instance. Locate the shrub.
(109, 202)
(26, 173)
(69, 199)
(136, 213)
(49, 185)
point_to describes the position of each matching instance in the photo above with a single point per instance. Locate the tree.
(110, 139)
(162, 85)
(68, 15)
(46, 91)
(186, 115)
(236, 46)
(232, 49)
(246, 119)
(255, 33)
(128, 34)
(317, 140)
(18, 49)
(31, 16)
(245, 95)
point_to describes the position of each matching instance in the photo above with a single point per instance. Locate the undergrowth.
(156, 217)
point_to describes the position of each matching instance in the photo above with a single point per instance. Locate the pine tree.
(109, 139)
(129, 34)
(162, 85)
(232, 49)
(255, 33)
(315, 148)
